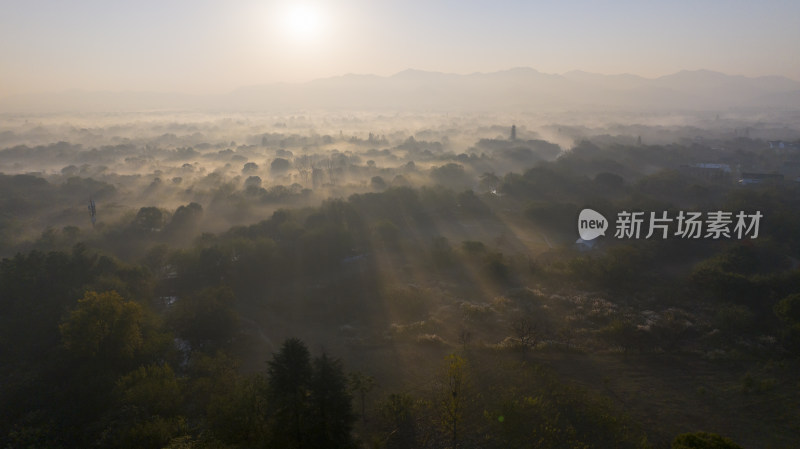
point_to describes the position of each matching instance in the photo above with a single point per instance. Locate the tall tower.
(513, 132)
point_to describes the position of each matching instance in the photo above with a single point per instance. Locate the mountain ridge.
(515, 88)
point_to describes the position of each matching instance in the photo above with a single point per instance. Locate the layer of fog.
(242, 167)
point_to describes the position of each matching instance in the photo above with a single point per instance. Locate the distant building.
(775, 144)
(707, 170)
(781, 145)
(724, 167)
(585, 245)
(760, 178)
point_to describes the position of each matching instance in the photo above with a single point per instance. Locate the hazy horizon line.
(233, 89)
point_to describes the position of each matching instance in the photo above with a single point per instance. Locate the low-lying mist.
(240, 168)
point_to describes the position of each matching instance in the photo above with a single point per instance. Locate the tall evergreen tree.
(311, 405)
(289, 379)
(331, 409)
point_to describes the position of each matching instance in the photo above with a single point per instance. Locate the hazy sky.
(214, 46)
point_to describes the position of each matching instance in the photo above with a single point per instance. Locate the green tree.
(703, 440)
(311, 406)
(362, 384)
(388, 232)
(153, 388)
(526, 334)
(105, 326)
(250, 167)
(489, 181)
(289, 377)
(208, 319)
(452, 399)
(147, 412)
(398, 415)
(279, 166)
(609, 180)
(238, 414)
(450, 175)
(377, 183)
(148, 219)
(788, 310)
(331, 408)
(185, 219)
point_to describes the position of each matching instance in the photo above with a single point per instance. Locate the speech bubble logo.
(591, 224)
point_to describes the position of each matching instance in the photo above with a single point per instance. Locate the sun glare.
(302, 21)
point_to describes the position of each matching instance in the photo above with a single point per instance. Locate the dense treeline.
(408, 318)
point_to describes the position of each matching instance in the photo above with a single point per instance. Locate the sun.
(303, 21)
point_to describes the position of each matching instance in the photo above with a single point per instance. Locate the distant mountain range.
(518, 89)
